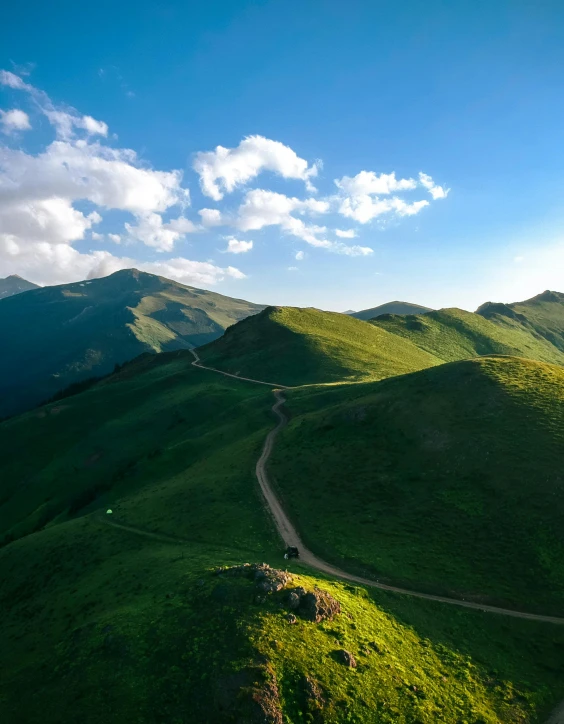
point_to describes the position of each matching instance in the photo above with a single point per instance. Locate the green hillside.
(14, 284)
(294, 346)
(118, 618)
(453, 334)
(390, 308)
(543, 315)
(55, 336)
(449, 479)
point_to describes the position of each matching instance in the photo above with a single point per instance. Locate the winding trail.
(291, 537)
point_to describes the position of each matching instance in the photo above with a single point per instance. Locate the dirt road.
(291, 537)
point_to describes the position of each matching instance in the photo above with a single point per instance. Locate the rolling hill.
(55, 336)
(292, 346)
(112, 618)
(390, 308)
(542, 315)
(454, 334)
(446, 479)
(14, 284)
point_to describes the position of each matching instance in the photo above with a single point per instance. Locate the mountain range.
(419, 450)
(84, 329)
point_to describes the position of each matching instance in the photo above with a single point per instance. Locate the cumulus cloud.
(14, 120)
(64, 120)
(152, 231)
(223, 170)
(211, 217)
(235, 246)
(61, 263)
(39, 222)
(437, 192)
(345, 233)
(262, 208)
(300, 256)
(367, 195)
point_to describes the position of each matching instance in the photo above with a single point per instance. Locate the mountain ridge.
(85, 328)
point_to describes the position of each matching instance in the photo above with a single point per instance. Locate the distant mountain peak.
(395, 307)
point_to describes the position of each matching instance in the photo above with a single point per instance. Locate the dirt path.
(291, 537)
(557, 716)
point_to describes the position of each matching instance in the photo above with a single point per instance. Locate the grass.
(87, 327)
(107, 624)
(453, 334)
(447, 480)
(543, 315)
(293, 346)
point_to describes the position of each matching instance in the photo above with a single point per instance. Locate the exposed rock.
(346, 658)
(313, 691)
(250, 696)
(295, 597)
(271, 580)
(267, 579)
(318, 605)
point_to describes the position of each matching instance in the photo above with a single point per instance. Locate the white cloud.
(368, 195)
(300, 255)
(235, 246)
(13, 81)
(345, 233)
(151, 230)
(437, 192)
(292, 268)
(60, 263)
(518, 259)
(211, 217)
(14, 120)
(223, 170)
(262, 208)
(368, 183)
(97, 237)
(65, 121)
(116, 238)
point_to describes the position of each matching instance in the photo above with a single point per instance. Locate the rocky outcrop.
(314, 605)
(345, 657)
(266, 579)
(250, 696)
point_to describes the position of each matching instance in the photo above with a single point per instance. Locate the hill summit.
(57, 336)
(390, 308)
(293, 346)
(14, 284)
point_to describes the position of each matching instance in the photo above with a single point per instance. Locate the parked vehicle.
(291, 552)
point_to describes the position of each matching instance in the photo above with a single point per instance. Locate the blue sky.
(469, 94)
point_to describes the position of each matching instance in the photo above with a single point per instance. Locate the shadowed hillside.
(294, 346)
(121, 617)
(55, 336)
(453, 334)
(390, 308)
(447, 479)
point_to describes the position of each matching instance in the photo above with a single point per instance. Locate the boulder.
(318, 606)
(346, 658)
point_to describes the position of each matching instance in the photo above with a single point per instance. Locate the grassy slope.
(453, 334)
(105, 625)
(83, 329)
(449, 479)
(301, 346)
(390, 308)
(543, 315)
